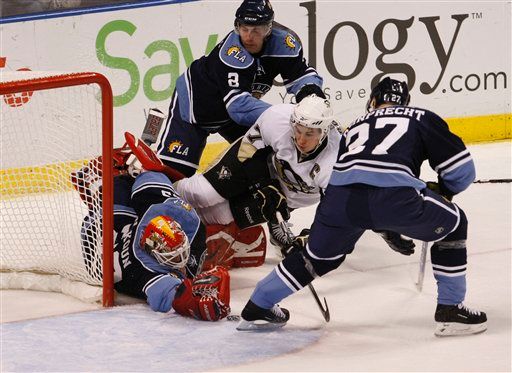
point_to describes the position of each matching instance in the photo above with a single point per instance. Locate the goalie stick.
(291, 236)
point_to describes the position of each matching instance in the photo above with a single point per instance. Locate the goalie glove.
(205, 297)
(397, 242)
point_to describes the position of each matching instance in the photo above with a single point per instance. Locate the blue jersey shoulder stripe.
(375, 177)
(342, 166)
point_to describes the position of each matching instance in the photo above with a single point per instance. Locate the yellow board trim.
(16, 182)
(470, 129)
(482, 128)
(41, 179)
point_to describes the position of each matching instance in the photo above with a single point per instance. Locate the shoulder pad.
(282, 43)
(233, 54)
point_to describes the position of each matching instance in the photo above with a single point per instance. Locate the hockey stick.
(423, 259)
(493, 181)
(424, 245)
(154, 121)
(325, 311)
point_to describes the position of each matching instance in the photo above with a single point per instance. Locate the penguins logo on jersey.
(315, 170)
(236, 52)
(290, 41)
(224, 173)
(291, 179)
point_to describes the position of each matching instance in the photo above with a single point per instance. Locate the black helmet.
(389, 91)
(254, 12)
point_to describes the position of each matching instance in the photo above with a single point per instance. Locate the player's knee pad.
(459, 233)
(295, 269)
(321, 267)
(451, 250)
(304, 269)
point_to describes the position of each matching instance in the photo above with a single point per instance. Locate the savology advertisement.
(455, 56)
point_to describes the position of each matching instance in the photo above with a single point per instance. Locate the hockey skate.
(255, 318)
(459, 320)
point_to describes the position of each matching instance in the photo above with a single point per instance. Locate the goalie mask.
(388, 91)
(166, 241)
(311, 121)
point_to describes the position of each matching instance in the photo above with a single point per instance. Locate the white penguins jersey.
(301, 178)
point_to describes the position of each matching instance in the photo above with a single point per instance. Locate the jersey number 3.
(233, 80)
(363, 131)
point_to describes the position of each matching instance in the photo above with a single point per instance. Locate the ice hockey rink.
(379, 320)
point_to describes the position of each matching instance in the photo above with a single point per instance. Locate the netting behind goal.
(52, 126)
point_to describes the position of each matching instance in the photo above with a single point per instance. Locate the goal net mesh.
(49, 140)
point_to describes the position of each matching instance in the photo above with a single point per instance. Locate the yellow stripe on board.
(16, 182)
(470, 129)
(482, 128)
(43, 179)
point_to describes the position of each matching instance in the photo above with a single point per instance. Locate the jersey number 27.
(363, 131)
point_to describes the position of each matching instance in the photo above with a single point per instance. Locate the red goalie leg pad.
(250, 247)
(149, 159)
(219, 239)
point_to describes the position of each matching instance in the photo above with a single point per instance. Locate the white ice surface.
(379, 321)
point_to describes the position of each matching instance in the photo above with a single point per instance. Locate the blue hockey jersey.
(387, 146)
(137, 272)
(217, 89)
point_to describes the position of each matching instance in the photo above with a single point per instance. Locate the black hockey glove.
(397, 242)
(272, 200)
(259, 206)
(299, 243)
(440, 189)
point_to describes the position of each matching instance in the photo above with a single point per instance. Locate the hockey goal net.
(53, 238)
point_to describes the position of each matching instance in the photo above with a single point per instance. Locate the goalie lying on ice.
(159, 245)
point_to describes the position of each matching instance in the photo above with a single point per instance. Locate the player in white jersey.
(282, 163)
(375, 184)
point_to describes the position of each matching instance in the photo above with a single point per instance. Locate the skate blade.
(447, 329)
(258, 325)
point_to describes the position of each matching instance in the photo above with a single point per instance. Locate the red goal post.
(51, 126)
